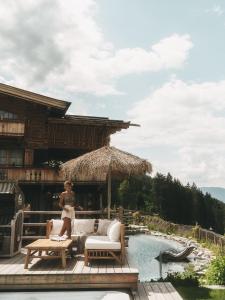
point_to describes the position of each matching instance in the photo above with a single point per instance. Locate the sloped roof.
(33, 97)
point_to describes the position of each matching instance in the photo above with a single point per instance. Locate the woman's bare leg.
(63, 229)
(66, 227)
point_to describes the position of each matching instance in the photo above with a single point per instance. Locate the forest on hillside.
(171, 200)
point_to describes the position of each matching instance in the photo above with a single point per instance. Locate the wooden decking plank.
(6, 262)
(10, 267)
(153, 287)
(86, 269)
(172, 291)
(102, 267)
(79, 266)
(142, 292)
(150, 291)
(163, 289)
(110, 268)
(136, 295)
(75, 267)
(117, 268)
(125, 268)
(94, 268)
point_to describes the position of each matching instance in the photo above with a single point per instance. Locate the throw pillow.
(103, 225)
(114, 232)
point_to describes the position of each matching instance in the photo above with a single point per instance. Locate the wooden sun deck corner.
(49, 274)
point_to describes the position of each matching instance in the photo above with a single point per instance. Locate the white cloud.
(216, 9)
(58, 46)
(188, 120)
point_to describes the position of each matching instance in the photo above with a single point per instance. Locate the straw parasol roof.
(104, 163)
(95, 165)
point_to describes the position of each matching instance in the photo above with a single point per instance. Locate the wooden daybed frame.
(118, 255)
(89, 254)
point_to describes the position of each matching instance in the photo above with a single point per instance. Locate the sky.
(159, 64)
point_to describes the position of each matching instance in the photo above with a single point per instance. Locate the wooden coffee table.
(58, 249)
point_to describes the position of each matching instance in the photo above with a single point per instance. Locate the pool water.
(142, 251)
(68, 295)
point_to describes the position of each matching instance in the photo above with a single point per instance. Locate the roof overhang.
(91, 121)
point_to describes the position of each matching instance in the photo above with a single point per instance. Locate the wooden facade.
(12, 128)
(35, 130)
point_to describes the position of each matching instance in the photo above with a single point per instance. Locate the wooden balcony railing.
(33, 175)
(12, 128)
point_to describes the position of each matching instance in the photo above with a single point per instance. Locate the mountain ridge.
(215, 192)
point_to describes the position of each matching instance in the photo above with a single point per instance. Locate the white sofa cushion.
(82, 226)
(101, 242)
(56, 226)
(103, 225)
(114, 232)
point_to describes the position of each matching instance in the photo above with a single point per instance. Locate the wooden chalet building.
(35, 134)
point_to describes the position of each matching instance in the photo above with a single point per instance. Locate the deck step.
(156, 290)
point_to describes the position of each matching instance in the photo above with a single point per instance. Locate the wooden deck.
(49, 274)
(44, 274)
(156, 291)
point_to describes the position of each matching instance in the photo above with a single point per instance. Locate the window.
(7, 115)
(11, 157)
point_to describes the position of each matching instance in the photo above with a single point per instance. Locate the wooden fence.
(35, 221)
(204, 235)
(127, 217)
(209, 236)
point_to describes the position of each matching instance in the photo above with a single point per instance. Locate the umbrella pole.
(109, 193)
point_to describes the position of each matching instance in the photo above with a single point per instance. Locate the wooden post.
(28, 157)
(101, 203)
(109, 192)
(121, 213)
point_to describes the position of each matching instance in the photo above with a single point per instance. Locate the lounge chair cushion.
(83, 226)
(101, 242)
(114, 232)
(103, 225)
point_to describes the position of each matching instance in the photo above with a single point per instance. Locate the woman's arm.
(61, 201)
(73, 197)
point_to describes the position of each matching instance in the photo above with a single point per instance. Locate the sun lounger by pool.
(173, 255)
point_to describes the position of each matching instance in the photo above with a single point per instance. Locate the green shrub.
(187, 278)
(216, 271)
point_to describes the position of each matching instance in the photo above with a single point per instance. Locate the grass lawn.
(200, 293)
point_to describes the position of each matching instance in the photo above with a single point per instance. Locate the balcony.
(30, 175)
(12, 128)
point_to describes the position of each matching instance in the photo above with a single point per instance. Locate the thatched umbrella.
(104, 163)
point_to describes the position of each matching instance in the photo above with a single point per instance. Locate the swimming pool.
(142, 251)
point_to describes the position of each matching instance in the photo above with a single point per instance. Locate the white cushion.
(112, 222)
(81, 226)
(103, 225)
(114, 232)
(101, 242)
(56, 226)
